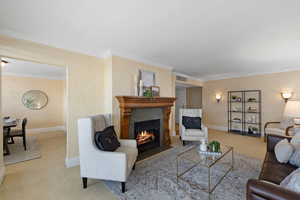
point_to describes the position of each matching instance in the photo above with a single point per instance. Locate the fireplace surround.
(129, 104)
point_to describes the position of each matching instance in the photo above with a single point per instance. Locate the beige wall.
(13, 88)
(108, 83)
(85, 90)
(194, 97)
(123, 72)
(270, 84)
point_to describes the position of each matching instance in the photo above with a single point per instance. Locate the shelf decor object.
(35, 99)
(244, 112)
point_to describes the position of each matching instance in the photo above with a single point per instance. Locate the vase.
(203, 146)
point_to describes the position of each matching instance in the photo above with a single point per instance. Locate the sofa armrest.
(272, 140)
(128, 142)
(257, 189)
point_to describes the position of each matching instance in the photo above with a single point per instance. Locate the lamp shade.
(292, 109)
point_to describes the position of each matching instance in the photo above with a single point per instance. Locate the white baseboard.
(2, 173)
(48, 129)
(72, 162)
(219, 128)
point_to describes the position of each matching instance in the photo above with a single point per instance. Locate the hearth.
(147, 134)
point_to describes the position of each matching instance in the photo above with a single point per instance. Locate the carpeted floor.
(155, 178)
(18, 154)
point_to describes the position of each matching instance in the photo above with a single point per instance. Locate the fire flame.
(144, 137)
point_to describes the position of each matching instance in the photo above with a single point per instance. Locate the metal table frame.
(210, 188)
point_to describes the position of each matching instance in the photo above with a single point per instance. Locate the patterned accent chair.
(191, 134)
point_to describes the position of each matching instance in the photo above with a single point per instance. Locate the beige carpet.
(18, 154)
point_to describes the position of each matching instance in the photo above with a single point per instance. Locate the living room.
(222, 47)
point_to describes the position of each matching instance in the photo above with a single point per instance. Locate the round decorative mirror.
(35, 99)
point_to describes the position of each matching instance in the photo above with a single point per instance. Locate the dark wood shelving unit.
(239, 103)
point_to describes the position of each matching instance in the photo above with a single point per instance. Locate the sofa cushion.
(107, 140)
(194, 132)
(271, 157)
(294, 183)
(295, 141)
(99, 123)
(275, 172)
(191, 122)
(131, 154)
(287, 179)
(295, 158)
(283, 151)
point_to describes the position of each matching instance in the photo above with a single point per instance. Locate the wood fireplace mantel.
(127, 103)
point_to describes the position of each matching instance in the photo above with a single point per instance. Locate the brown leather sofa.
(272, 173)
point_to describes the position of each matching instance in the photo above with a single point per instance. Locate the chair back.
(191, 112)
(87, 147)
(24, 123)
(86, 131)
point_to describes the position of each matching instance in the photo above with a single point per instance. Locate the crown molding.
(241, 75)
(110, 53)
(33, 76)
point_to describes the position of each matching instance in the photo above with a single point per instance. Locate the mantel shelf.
(144, 102)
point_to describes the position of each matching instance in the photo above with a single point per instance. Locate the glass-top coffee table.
(204, 171)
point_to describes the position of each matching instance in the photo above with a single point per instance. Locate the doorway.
(34, 108)
(187, 96)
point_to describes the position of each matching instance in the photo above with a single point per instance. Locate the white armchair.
(104, 165)
(191, 134)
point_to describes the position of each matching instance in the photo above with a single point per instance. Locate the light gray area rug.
(18, 154)
(155, 178)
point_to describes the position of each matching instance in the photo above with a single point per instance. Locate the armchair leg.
(265, 137)
(123, 187)
(84, 182)
(183, 143)
(133, 168)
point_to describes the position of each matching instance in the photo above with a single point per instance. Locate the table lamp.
(292, 109)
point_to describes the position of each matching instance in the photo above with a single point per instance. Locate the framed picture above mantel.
(147, 84)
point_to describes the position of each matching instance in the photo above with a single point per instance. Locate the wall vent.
(181, 78)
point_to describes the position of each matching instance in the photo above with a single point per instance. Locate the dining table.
(7, 125)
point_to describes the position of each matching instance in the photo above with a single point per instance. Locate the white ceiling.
(208, 39)
(29, 69)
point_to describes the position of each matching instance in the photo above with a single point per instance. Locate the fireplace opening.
(147, 134)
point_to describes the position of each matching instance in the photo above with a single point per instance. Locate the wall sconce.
(218, 97)
(3, 63)
(286, 96)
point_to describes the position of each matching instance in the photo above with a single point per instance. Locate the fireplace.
(147, 134)
(148, 114)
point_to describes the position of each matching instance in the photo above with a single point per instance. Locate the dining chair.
(5, 142)
(20, 133)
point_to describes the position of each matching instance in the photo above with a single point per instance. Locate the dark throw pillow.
(107, 140)
(191, 122)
